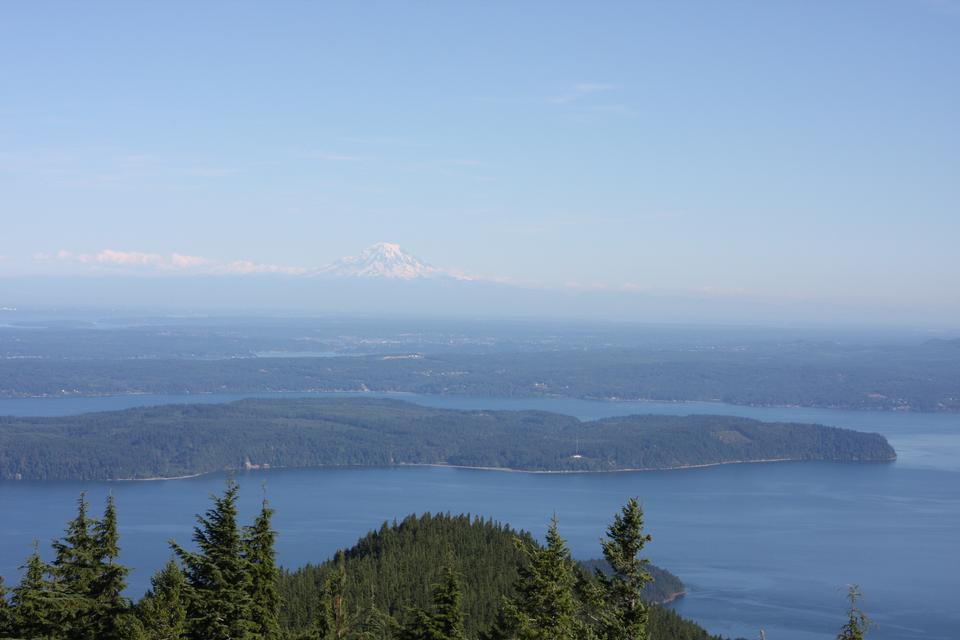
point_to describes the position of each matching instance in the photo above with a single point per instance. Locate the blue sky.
(804, 150)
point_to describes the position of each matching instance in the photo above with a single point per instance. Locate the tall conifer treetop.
(624, 613)
(219, 603)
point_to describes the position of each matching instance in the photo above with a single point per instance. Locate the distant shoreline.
(673, 597)
(631, 470)
(438, 465)
(574, 471)
(154, 478)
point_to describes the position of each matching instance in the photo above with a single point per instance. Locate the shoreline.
(439, 465)
(629, 470)
(155, 478)
(673, 597)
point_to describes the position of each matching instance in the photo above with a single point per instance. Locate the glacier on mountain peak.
(385, 260)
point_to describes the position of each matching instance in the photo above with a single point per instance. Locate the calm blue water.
(760, 546)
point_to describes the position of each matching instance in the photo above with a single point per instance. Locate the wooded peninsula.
(178, 440)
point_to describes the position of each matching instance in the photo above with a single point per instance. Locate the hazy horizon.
(286, 296)
(712, 162)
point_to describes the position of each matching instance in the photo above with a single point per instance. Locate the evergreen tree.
(445, 621)
(857, 621)
(219, 606)
(420, 625)
(75, 570)
(622, 612)
(74, 564)
(6, 612)
(264, 575)
(163, 610)
(129, 627)
(503, 626)
(334, 620)
(36, 609)
(545, 607)
(111, 609)
(88, 579)
(447, 601)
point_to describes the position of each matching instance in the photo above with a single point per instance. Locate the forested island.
(917, 378)
(179, 440)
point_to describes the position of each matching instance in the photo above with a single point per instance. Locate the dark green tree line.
(444, 620)
(163, 609)
(231, 579)
(227, 589)
(428, 578)
(545, 606)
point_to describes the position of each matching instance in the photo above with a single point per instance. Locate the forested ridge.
(919, 378)
(425, 578)
(176, 440)
(395, 567)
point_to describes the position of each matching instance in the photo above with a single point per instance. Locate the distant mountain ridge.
(386, 260)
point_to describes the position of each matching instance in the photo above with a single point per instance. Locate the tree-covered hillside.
(177, 440)
(395, 568)
(426, 578)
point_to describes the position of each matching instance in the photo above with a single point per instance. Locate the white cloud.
(186, 262)
(246, 267)
(122, 258)
(143, 262)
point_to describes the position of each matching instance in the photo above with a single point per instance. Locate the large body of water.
(769, 546)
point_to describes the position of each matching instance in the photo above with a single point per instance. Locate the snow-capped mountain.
(386, 260)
